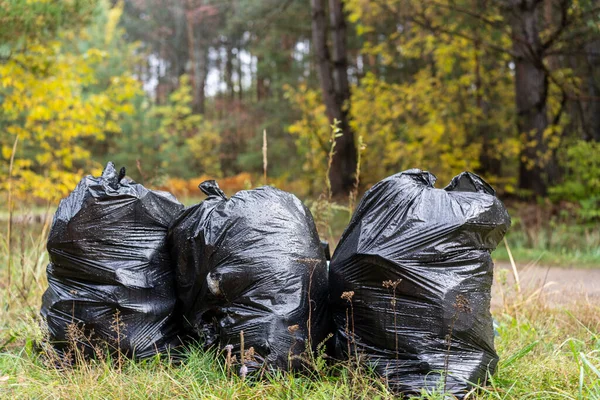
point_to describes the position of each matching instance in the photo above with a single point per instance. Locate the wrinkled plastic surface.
(108, 258)
(252, 263)
(418, 261)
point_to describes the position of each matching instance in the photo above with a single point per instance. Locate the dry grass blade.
(265, 158)
(514, 266)
(10, 212)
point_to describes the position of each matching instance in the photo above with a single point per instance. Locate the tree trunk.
(240, 75)
(592, 108)
(536, 169)
(180, 55)
(189, 25)
(229, 70)
(287, 48)
(261, 86)
(335, 90)
(343, 166)
(490, 164)
(198, 55)
(202, 74)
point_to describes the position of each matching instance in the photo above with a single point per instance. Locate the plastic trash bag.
(253, 264)
(413, 271)
(111, 280)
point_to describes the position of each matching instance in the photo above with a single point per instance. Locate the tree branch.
(425, 23)
(563, 25)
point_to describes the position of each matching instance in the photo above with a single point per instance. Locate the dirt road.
(559, 286)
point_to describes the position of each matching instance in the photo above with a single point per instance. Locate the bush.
(582, 179)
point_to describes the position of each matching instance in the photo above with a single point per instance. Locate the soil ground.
(558, 286)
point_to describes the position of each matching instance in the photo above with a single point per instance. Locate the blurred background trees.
(178, 89)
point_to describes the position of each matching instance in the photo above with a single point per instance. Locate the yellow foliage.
(188, 142)
(53, 102)
(47, 105)
(437, 118)
(114, 15)
(312, 135)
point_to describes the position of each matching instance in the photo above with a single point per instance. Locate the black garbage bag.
(253, 264)
(413, 273)
(111, 280)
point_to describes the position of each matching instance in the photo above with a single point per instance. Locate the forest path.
(556, 285)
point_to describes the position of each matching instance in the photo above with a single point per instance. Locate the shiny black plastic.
(110, 273)
(417, 260)
(253, 264)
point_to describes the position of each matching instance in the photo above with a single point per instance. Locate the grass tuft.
(546, 350)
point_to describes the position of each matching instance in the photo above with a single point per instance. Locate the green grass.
(546, 351)
(552, 257)
(566, 246)
(199, 377)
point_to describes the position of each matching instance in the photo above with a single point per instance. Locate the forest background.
(179, 91)
(183, 90)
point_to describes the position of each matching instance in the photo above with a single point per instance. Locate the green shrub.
(582, 179)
